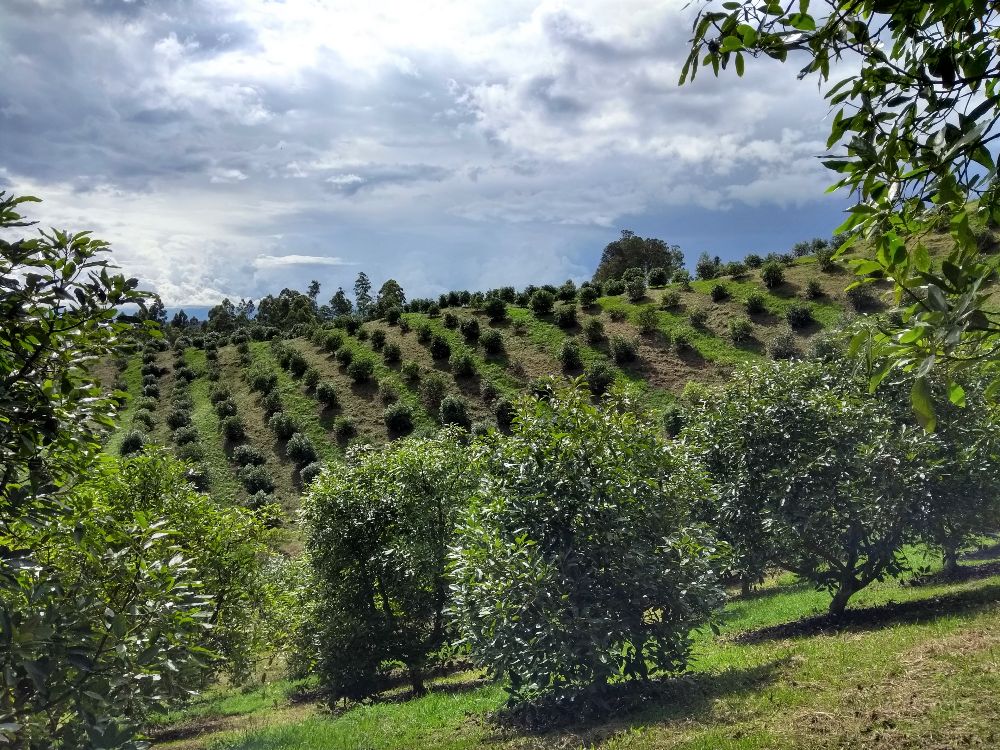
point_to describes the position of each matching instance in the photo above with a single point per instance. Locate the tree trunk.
(417, 681)
(951, 559)
(746, 586)
(839, 602)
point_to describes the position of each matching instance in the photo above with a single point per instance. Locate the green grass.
(922, 673)
(205, 420)
(133, 381)
(825, 313)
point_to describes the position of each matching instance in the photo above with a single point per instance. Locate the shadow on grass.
(880, 616)
(963, 573)
(594, 713)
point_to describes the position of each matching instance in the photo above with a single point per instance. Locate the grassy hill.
(680, 334)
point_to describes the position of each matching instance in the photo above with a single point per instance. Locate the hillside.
(675, 334)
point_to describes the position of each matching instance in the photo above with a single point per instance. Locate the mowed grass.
(919, 666)
(133, 381)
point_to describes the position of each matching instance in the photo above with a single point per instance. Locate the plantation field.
(914, 666)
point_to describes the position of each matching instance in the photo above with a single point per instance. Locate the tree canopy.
(632, 251)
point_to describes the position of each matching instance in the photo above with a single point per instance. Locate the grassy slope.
(919, 674)
(203, 417)
(133, 379)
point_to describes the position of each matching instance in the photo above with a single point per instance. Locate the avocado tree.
(577, 562)
(380, 526)
(913, 137)
(814, 474)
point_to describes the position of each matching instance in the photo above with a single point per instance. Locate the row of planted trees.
(582, 548)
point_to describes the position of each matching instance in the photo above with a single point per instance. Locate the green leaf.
(956, 394)
(923, 405)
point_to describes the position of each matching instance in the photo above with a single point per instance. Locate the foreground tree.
(380, 527)
(577, 562)
(915, 125)
(814, 474)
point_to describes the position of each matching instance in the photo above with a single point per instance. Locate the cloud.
(225, 146)
(264, 262)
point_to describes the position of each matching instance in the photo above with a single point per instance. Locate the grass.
(133, 381)
(205, 420)
(917, 668)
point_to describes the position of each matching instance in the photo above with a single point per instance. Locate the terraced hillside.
(257, 418)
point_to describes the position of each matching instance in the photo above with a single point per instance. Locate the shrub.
(782, 345)
(149, 379)
(505, 413)
(658, 277)
(192, 451)
(247, 455)
(541, 302)
(144, 402)
(440, 348)
(362, 334)
(271, 403)
(297, 364)
(345, 355)
(772, 274)
(492, 341)
(132, 442)
(410, 370)
(393, 315)
(391, 352)
(623, 348)
(344, 429)
(451, 320)
(614, 287)
(813, 289)
(566, 316)
(600, 375)
(618, 314)
(799, 315)
(635, 289)
(647, 320)
(433, 389)
(326, 394)
(398, 419)
(143, 417)
(740, 330)
(282, 425)
(684, 340)
(861, 297)
(225, 408)
(470, 329)
(423, 332)
(378, 339)
(311, 378)
(587, 296)
(300, 449)
(233, 429)
(333, 341)
(455, 411)
(199, 476)
(360, 557)
(719, 292)
(495, 308)
(583, 509)
(178, 418)
(433, 309)
(670, 300)
(488, 391)
(824, 259)
(698, 316)
(755, 302)
(404, 325)
(462, 364)
(593, 329)
(219, 393)
(361, 369)
(309, 472)
(569, 355)
(185, 374)
(673, 419)
(387, 392)
(256, 479)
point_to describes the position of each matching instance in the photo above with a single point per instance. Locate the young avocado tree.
(577, 562)
(380, 526)
(814, 474)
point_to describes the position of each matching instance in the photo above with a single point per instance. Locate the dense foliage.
(579, 531)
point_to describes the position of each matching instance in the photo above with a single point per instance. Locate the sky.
(237, 147)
